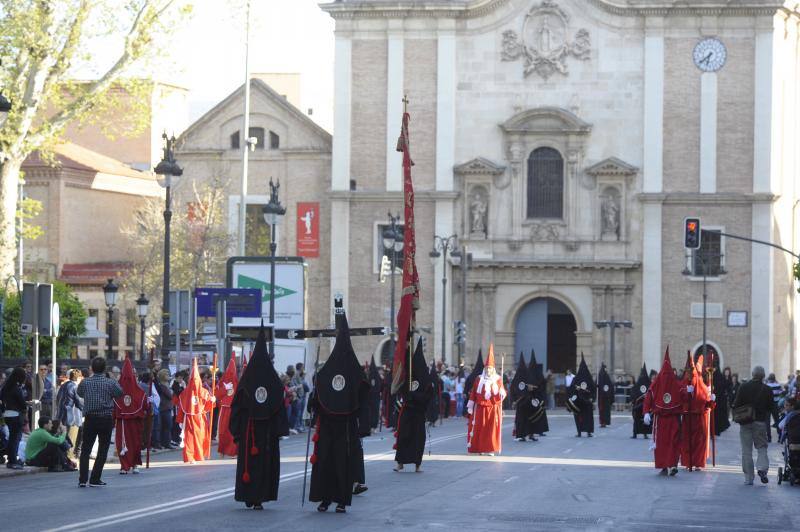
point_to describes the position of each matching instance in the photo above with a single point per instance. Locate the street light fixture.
(273, 214)
(393, 241)
(141, 310)
(110, 293)
(441, 247)
(169, 169)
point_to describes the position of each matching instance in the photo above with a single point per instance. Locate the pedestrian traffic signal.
(461, 332)
(691, 233)
(386, 269)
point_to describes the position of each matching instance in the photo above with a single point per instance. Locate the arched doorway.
(547, 326)
(711, 351)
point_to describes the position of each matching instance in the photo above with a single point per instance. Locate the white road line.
(509, 479)
(567, 451)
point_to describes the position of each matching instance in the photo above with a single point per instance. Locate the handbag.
(744, 414)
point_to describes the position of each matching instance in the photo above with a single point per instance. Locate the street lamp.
(704, 259)
(441, 247)
(141, 310)
(273, 214)
(392, 240)
(110, 293)
(613, 325)
(167, 168)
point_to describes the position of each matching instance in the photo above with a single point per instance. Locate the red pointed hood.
(133, 402)
(188, 401)
(226, 387)
(666, 388)
(701, 395)
(490, 359)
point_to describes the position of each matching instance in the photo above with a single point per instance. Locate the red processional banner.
(308, 229)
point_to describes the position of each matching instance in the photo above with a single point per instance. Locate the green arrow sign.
(249, 282)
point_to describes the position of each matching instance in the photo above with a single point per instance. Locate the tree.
(199, 243)
(42, 41)
(72, 324)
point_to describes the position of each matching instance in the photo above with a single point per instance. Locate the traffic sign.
(241, 302)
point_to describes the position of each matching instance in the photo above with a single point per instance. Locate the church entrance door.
(547, 326)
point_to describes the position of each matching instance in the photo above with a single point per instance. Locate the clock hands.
(706, 59)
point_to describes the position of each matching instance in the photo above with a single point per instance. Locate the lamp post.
(110, 293)
(273, 214)
(703, 258)
(441, 247)
(167, 168)
(613, 325)
(141, 310)
(392, 240)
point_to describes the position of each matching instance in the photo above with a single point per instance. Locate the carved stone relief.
(610, 214)
(478, 212)
(544, 44)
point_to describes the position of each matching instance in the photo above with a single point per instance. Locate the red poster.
(308, 229)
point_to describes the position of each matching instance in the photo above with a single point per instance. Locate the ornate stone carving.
(544, 44)
(478, 212)
(609, 213)
(544, 232)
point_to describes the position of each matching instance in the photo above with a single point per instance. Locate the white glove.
(469, 411)
(690, 388)
(713, 397)
(647, 419)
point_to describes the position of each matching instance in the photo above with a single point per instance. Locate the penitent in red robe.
(194, 403)
(485, 408)
(129, 412)
(664, 401)
(694, 444)
(226, 388)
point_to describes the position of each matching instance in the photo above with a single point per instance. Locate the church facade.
(564, 142)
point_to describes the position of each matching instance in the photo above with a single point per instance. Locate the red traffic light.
(691, 233)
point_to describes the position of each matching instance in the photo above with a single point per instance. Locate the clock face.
(709, 54)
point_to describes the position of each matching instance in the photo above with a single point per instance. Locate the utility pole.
(244, 136)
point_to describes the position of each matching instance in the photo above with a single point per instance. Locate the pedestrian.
(375, 392)
(485, 410)
(735, 385)
(341, 416)
(695, 423)
(46, 378)
(752, 409)
(663, 404)
(194, 404)
(581, 393)
(550, 390)
(416, 395)
(777, 392)
(165, 406)
(98, 393)
(722, 392)
(13, 398)
(568, 378)
(298, 389)
(637, 404)
(178, 385)
(44, 449)
(605, 396)
(257, 421)
(70, 411)
(130, 411)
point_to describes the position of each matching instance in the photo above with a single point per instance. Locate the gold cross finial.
(405, 103)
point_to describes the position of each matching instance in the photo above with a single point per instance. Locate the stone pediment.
(551, 120)
(612, 167)
(479, 166)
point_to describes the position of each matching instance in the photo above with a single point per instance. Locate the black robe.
(540, 426)
(411, 427)
(637, 404)
(375, 392)
(521, 400)
(434, 405)
(605, 397)
(721, 385)
(584, 420)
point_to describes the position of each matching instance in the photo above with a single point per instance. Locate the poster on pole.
(290, 291)
(308, 229)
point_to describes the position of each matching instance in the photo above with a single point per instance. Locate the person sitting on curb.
(45, 450)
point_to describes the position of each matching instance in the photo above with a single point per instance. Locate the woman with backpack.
(13, 399)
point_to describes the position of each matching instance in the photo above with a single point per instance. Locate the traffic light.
(461, 332)
(386, 269)
(691, 233)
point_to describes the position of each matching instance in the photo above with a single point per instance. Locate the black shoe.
(81, 484)
(257, 507)
(763, 476)
(96, 484)
(663, 472)
(533, 438)
(633, 437)
(673, 471)
(340, 509)
(359, 488)
(323, 506)
(578, 435)
(15, 466)
(590, 435)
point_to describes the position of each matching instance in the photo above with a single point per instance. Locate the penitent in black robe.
(521, 399)
(536, 377)
(605, 396)
(375, 392)
(584, 390)
(637, 403)
(721, 386)
(410, 444)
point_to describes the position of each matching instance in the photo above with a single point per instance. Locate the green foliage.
(797, 274)
(72, 324)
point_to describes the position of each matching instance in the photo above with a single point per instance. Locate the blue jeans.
(155, 437)
(14, 425)
(297, 414)
(165, 427)
(459, 404)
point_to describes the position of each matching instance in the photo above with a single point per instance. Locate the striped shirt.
(776, 388)
(98, 394)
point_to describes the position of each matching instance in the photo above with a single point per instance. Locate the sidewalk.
(112, 459)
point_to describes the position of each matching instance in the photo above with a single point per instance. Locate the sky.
(285, 36)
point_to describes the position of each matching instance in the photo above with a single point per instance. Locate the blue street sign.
(242, 302)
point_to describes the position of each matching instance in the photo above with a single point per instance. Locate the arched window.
(545, 184)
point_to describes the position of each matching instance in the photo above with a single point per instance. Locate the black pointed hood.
(642, 384)
(339, 381)
(260, 384)
(420, 374)
(375, 381)
(476, 372)
(535, 371)
(605, 385)
(583, 376)
(520, 380)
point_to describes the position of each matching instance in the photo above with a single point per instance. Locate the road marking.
(509, 479)
(567, 451)
(482, 494)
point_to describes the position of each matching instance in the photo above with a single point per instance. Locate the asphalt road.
(559, 483)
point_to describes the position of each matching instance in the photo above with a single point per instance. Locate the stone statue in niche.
(478, 210)
(609, 214)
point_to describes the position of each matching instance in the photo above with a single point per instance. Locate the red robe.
(664, 401)
(226, 388)
(694, 444)
(485, 408)
(129, 412)
(194, 403)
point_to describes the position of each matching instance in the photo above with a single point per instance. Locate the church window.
(545, 184)
(709, 257)
(255, 132)
(274, 141)
(235, 141)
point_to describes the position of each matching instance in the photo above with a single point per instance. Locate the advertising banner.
(290, 292)
(308, 229)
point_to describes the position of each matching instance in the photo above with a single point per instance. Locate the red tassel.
(395, 434)
(253, 450)
(313, 459)
(315, 437)
(246, 477)
(394, 446)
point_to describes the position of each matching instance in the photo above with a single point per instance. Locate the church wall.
(368, 111)
(420, 85)
(681, 331)
(681, 117)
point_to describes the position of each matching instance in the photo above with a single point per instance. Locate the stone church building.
(564, 142)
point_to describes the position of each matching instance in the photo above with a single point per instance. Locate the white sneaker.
(489, 454)
(135, 470)
(292, 431)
